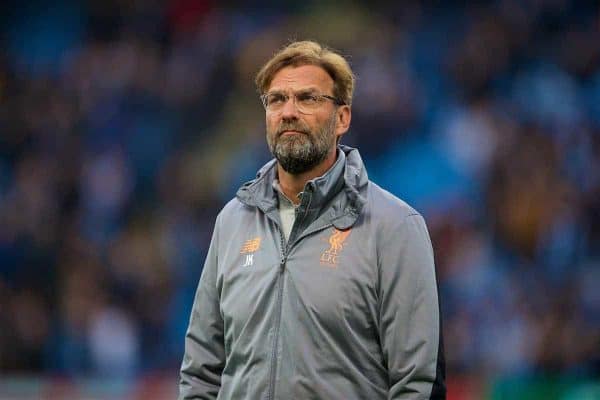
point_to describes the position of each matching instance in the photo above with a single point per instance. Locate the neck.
(293, 184)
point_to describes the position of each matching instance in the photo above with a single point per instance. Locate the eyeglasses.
(306, 102)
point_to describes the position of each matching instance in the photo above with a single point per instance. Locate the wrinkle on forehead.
(301, 78)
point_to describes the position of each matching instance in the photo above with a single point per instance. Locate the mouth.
(291, 133)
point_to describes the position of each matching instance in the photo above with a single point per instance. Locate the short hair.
(310, 53)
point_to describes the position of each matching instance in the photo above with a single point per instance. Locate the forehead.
(301, 77)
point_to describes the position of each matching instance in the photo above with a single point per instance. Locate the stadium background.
(126, 125)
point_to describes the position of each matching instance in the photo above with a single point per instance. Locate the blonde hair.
(310, 53)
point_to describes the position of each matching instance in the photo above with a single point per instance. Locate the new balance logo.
(248, 248)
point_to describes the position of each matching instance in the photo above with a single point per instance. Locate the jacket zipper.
(285, 248)
(284, 251)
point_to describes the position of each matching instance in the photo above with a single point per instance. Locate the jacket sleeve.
(204, 357)
(409, 316)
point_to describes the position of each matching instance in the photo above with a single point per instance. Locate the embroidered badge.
(250, 246)
(330, 257)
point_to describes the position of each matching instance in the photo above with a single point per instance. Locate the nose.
(289, 110)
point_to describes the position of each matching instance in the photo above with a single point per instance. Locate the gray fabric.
(346, 309)
(287, 211)
(287, 215)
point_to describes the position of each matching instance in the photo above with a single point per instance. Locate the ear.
(343, 117)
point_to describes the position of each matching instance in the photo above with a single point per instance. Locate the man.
(318, 284)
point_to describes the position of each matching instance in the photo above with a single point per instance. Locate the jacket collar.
(340, 192)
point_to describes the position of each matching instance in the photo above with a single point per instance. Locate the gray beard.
(300, 153)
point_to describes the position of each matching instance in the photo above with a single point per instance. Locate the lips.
(291, 131)
(288, 133)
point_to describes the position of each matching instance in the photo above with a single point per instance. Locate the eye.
(307, 98)
(275, 99)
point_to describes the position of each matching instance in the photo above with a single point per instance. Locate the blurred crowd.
(126, 125)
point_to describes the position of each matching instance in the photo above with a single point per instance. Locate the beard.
(301, 152)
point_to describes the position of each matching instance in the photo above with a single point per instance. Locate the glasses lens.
(305, 102)
(274, 101)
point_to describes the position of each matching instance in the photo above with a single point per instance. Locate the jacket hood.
(343, 187)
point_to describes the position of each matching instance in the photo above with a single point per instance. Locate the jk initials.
(249, 260)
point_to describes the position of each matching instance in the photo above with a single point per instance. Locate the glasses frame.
(337, 102)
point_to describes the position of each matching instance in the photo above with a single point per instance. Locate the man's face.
(301, 141)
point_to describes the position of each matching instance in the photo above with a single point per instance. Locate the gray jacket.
(346, 309)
